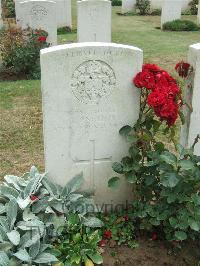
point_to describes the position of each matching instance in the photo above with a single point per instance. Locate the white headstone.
(94, 21)
(128, 6)
(192, 127)
(88, 95)
(63, 12)
(198, 14)
(171, 10)
(39, 14)
(1, 19)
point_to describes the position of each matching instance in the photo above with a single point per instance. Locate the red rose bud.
(154, 237)
(102, 243)
(126, 218)
(34, 198)
(42, 39)
(182, 69)
(107, 234)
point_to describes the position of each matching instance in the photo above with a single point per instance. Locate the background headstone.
(39, 14)
(63, 12)
(88, 95)
(128, 6)
(157, 4)
(94, 21)
(192, 127)
(171, 10)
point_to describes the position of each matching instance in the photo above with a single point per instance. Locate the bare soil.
(152, 253)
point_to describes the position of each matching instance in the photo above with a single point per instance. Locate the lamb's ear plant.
(32, 208)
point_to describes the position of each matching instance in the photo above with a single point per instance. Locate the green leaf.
(168, 157)
(22, 255)
(8, 192)
(4, 260)
(117, 167)
(12, 180)
(92, 222)
(73, 185)
(14, 237)
(96, 258)
(114, 182)
(5, 246)
(186, 164)
(45, 258)
(180, 235)
(50, 186)
(34, 249)
(169, 179)
(124, 131)
(23, 203)
(131, 178)
(12, 208)
(33, 184)
(30, 238)
(194, 225)
(173, 222)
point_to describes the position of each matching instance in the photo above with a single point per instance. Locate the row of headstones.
(171, 9)
(94, 18)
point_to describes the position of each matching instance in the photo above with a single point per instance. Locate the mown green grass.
(21, 143)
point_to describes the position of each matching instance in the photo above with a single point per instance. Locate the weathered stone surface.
(192, 127)
(88, 95)
(63, 12)
(94, 21)
(128, 6)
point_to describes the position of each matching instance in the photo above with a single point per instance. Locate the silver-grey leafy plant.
(32, 209)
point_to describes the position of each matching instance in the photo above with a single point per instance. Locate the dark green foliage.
(8, 8)
(64, 30)
(116, 2)
(180, 25)
(143, 6)
(20, 51)
(193, 7)
(77, 243)
(156, 12)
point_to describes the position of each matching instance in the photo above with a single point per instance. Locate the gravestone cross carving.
(88, 95)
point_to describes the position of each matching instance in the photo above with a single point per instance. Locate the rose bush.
(20, 51)
(165, 183)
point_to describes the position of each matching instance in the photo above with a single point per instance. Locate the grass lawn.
(21, 142)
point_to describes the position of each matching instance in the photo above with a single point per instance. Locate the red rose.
(102, 243)
(151, 68)
(42, 39)
(182, 69)
(145, 79)
(168, 112)
(126, 218)
(158, 97)
(154, 237)
(107, 234)
(34, 198)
